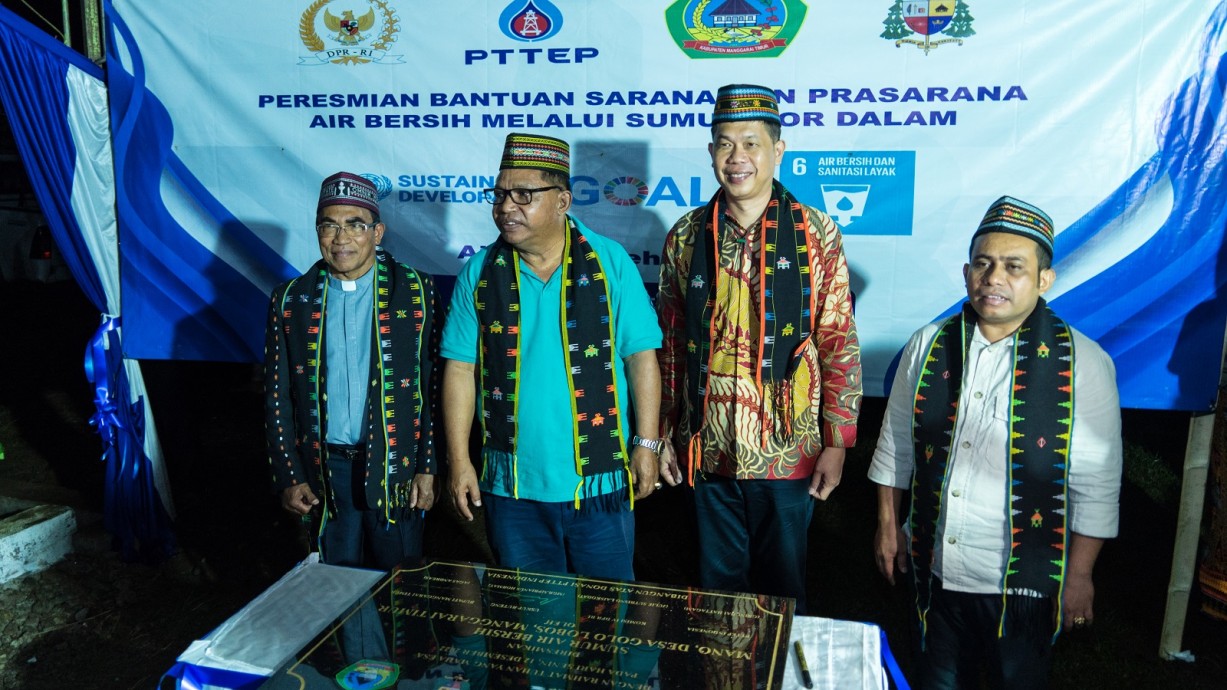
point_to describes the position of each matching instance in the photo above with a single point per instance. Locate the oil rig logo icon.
(530, 20)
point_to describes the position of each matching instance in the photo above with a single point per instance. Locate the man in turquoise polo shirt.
(547, 327)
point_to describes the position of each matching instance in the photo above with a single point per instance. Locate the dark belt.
(349, 452)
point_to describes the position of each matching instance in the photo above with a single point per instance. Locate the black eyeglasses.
(348, 229)
(519, 195)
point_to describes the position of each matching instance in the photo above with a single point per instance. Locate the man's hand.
(298, 499)
(670, 473)
(827, 473)
(464, 487)
(1078, 601)
(644, 470)
(891, 548)
(1078, 598)
(422, 493)
(888, 554)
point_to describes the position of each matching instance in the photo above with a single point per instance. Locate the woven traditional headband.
(741, 102)
(348, 189)
(536, 152)
(1011, 215)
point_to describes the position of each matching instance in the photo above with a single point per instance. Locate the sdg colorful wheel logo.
(626, 191)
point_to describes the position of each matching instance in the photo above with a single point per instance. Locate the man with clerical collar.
(1004, 421)
(760, 364)
(546, 326)
(349, 395)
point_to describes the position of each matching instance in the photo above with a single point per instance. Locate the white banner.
(903, 121)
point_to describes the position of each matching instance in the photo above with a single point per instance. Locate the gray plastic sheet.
(265, 633)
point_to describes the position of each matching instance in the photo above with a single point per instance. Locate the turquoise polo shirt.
(545, 435)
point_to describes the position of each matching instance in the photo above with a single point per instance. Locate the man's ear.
(1047, 278)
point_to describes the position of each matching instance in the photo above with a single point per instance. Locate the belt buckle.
(349, 454)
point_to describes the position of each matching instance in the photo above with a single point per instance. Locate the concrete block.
(33, 537)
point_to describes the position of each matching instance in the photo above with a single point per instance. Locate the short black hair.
(557, 179)
(773, 129)
(1043, 257)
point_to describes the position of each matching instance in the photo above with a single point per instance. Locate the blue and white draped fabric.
(1175, 280)
(188, 261)
(1144, 272)
(56, 103)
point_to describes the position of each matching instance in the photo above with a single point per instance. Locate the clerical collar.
(351, 285)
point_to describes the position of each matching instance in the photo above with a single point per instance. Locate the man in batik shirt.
(761, 364)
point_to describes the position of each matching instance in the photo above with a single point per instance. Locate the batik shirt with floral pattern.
(826, 384)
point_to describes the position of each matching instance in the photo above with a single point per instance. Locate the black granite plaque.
(464, 625)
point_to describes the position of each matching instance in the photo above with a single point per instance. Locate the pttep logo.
(530, 20)
(351, 32)
(734, 28)
(949, 17)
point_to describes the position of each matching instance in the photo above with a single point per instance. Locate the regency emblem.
(368, 675)
(928, 19)
(734, 28)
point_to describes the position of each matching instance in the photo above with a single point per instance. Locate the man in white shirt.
(1001, 552)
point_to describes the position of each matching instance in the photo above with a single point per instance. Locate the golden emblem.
(353, 46)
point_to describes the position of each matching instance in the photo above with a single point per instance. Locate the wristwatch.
(655, 445)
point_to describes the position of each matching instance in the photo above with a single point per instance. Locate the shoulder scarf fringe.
(590, 358)
(1041, 417)
(400, 307)
(787, 310)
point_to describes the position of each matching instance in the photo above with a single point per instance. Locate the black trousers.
(962, 648)
(753, 535)
(359, 536)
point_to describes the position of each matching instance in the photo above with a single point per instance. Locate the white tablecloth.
(841, 655)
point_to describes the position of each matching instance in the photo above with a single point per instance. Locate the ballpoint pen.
(805, 677)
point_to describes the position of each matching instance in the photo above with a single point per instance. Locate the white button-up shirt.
(973, 531)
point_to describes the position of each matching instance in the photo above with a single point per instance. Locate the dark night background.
(93, 621)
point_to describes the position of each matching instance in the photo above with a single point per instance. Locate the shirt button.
(978, 395)
(956, 493)
(951, 540)
(966, 444)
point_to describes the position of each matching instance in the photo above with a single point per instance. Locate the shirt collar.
(363, 282)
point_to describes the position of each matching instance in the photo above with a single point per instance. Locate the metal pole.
(93, 30)
(1188, 524)
(1188, 528)
(67, 23)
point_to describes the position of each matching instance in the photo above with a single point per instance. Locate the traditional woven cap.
(348, 189)
(1008, 214)
(741, 102)
(536, 152)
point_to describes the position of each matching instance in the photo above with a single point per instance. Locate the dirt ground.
(93, 621)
